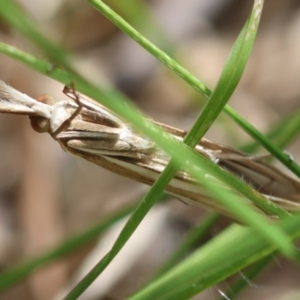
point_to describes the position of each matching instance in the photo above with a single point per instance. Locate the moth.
(89, 130)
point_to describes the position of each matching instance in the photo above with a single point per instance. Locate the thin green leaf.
(231, 74)
(194, 236)
(153, 132)
(111, 99)
(247, 277)
(97, 94)
(12, 15)
(282, 133)
(230, 251)
(15, 16)
(193, 81)
(11, 276)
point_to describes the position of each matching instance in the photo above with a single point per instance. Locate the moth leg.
(77, 111)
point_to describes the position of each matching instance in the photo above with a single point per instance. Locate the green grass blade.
(14, 274)
(8, 8)
(68, 78)
(152, 131)
(194, 236)
(150, 47)
(139, 15)
(266, 143)
(247, 277)
(112, 99)
(231, 74)
(282, 134)
(229, 252)
(17, 18)
(182, 155)
(193, 81)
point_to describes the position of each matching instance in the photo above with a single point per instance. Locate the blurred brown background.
(46, 195)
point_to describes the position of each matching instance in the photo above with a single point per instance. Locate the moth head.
(41, 124)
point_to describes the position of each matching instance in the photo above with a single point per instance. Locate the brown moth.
(87, 129)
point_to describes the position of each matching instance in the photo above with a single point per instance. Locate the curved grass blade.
(230, 251)
(282, 133)
(22, 270)
(29, 29)
(194, 236)
(194, 82)
(232, 75)
(111, 100)
(247, 277)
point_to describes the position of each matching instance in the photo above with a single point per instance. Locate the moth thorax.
(41, 124)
